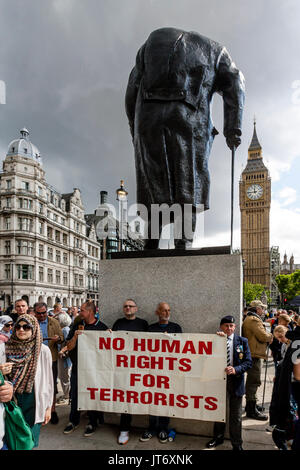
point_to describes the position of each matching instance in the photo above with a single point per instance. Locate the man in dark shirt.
(130, 322)
(88, 321)
(159, 424)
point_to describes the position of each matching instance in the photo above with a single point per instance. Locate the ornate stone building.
(289, 267)
(255, 204)
(47, 251)
(111, 243)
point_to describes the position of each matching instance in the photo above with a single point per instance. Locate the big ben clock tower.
(255, 203)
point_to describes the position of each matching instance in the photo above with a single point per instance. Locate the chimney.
(103, 197)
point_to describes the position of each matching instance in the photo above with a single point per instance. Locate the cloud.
(66, 64)
(285, 229)
(288, 196)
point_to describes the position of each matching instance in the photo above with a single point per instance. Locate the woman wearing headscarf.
(6, 324)
(31, 373)
(64, 363)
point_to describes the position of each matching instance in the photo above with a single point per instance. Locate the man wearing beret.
(254, 330)
(238, 361)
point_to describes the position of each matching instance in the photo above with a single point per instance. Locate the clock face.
(255, 191)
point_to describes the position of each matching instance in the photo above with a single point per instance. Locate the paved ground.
(255, 435)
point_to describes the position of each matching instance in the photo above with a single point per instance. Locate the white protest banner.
(176, 375)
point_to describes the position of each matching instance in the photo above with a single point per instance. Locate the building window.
(25, 203)
(41, 228)
(7, 247)
(65, 279)
(77, 243)
(65, 239)
(58, 256)
(41, 208)
(49, 233)
(80, 280)
(25, 185)
(57, 236)
(8, 203)
(65, 258)
(25, 271)
(7, 271)
(25, 247)
(24, 223)
(7, 223)
(57, 276)
(41, 274)
(8, 184)
(63, 221)
(41, 251)
(40, 191)
(50, 276)
(55, 217)
(76, 279)
(50, 253)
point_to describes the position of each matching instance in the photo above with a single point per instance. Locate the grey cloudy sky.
(66, 65)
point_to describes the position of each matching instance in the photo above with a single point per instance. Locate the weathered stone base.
(199, 289)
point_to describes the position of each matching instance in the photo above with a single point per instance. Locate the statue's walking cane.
(232, 195)
(263, 399)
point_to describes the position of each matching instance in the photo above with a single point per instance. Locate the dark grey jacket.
(168, 102)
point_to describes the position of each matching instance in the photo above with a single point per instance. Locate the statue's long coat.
(168, 102)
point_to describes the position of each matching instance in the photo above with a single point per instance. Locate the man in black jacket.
(159, 424)
(168, 105)
(130, 322)
(238, 361)
(88, 321)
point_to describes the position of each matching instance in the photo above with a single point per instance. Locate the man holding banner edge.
(238, 362)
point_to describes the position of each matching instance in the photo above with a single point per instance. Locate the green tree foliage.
(289, 284)
(254, 291)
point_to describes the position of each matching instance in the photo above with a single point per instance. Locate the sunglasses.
(129, 306)
(8, 324)
(41, 313)
(23, 327)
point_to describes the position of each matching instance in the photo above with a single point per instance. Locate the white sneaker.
(270, 428)
(123, 437)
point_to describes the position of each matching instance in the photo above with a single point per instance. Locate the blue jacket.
(242, 361)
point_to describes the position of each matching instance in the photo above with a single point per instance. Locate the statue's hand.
(233, 140)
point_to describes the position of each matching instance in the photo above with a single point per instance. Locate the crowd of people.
(283, 343)
(39, 347)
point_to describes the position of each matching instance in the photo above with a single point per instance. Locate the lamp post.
(12, 280)
(122, 199)
(244, 263)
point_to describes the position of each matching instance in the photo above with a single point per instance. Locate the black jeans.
(74, 417)
(125, 422)
(158, 424)
(234, 414)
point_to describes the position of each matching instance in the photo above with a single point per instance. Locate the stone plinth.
(199, 289)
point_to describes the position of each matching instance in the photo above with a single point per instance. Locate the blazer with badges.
(242, 361)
